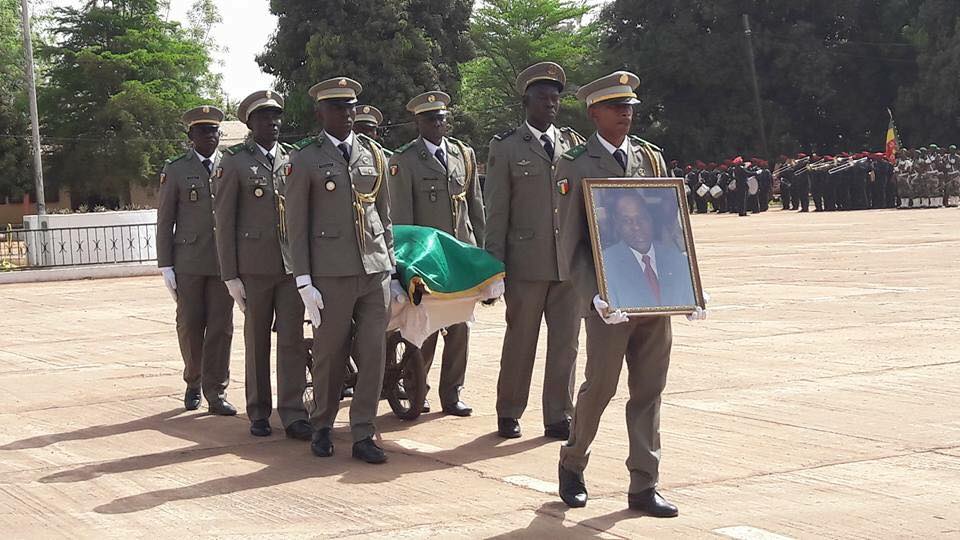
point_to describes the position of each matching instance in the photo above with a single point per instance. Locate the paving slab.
(820, 400)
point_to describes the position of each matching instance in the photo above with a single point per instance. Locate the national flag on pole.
(893, 141)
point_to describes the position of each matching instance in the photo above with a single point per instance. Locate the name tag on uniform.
(368, 171)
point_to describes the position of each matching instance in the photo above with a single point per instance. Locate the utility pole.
(756, 85)
(34, 115)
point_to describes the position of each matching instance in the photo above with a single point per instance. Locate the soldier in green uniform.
(522, 218)
(611, 336)
(255, 264)
(338, 217)
(433, 183)
(187, 257)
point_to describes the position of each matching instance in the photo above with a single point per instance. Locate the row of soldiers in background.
(734, 186)
(928, 177)
(843, 182)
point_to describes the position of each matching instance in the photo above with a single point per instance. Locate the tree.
(15, 158)
(511, 35)
(828, 70)
(394, 48)
(119, 78)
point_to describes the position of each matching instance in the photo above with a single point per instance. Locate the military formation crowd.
(305, 231)
(928, 177)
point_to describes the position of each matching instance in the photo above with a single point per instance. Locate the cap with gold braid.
(207, 114)
(339, 89)
(369, 114)
(542, 71)
(617, 87)
(261, 99)
(426, 102)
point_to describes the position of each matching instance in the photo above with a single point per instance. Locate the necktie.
(345, 150)
(270, 159)
(621, 158)
(208, 165)
(440, 157)
(651, 277)
(547, 145)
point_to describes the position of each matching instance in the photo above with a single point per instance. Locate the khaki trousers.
(453, 371)
(205, 332)
(527, 303)
(646, 343)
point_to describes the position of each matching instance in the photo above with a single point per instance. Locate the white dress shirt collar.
(625, 146)
(652, 253)
(338, 142)
(201, 157)
(432, 148)
(272, 153)
(550, 132)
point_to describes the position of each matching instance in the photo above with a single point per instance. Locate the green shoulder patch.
(176, 159)
(286, 146)
(387, 153)
(648, 144)
(236, 149)
(575, 152)
(406, 147)
(505, 134)
(303, 143)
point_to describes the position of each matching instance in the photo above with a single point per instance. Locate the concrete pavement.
(821, 399)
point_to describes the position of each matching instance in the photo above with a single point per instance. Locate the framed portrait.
(643, 246)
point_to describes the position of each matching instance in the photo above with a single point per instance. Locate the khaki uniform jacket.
(338, 213)
(248, 207)
(424, 193)
(185, 225)
(522, 201)
(592, 160)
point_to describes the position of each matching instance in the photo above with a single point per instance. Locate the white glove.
(602, 308)
(312, 303)
(700, 314)
(236, 290)
(170, 280)
(494, 290)
(396, 292)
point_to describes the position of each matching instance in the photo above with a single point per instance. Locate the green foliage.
(828, 70)
(511, 35)
(394, 48)
(16, 177)
(119, 78)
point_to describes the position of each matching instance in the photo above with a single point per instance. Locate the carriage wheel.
(405, 378)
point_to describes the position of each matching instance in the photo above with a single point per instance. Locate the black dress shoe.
(260, 428)
(508, 428)
(560, 430)
(347, 392)
(191, 399)
(367, 450)
(458, 409)
(300, 430)
(572, 490)
(426, 406)
(321, 445)
(650, 503)
(222, 408)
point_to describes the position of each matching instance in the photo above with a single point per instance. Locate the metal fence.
(27, 249)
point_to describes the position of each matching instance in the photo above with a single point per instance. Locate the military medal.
(288, 169)
(394, 169)
(194, 196)
(163, 178)
(254, 169)
(563, 186)
(219, 173)
(330, 185)
(258, 192)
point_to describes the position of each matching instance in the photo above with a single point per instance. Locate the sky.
(243, 34)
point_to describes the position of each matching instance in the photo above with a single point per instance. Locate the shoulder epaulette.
(406, 147)
(575, 152)
(386, 151)
(369, 140)
(648, 144)
(505, 134)
(303, 143)
(573, 133)
(176, 159)
(233, 150)
(458, 141)
(286, 146)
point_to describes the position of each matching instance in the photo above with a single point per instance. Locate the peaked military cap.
(261, 99)
(369, 114)
(541, 71)
(339, 89)
(207, 114)
(429, 102)
(617, 87)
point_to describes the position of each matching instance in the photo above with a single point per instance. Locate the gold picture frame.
(639, 221)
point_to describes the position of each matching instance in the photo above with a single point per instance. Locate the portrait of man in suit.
(643, 263)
